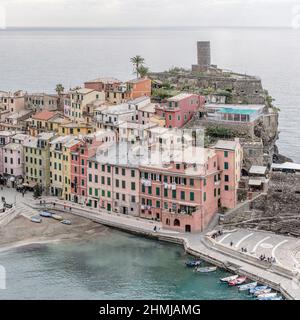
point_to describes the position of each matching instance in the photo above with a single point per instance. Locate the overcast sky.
(150, 13)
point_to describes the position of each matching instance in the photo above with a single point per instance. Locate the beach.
(22, 232)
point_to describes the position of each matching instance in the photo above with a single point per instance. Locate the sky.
(148, 13)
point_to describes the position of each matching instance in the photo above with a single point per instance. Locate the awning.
(261, 170)
(255, 182)
(30, 184)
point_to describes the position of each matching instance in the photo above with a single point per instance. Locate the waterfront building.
(73, 128)
(180, 109)
(133, 132)
(230, 155)
(13, 160)
(113, 178)
(37, 161)
(146, 113)
(5, 139)
(79, 99)
(118, 95)
(11, 102)
(60, 165)
(79, 161)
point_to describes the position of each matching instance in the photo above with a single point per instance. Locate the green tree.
(143, 71)
(137, 62)
(37, 191)
(59, 89)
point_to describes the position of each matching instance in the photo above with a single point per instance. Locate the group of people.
(268, 259)
(217, 234)
(244, 249)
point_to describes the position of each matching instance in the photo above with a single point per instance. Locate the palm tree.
(137, 62)
(143, 71)
(59, 89)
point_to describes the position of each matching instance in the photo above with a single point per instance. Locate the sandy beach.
(22, 232)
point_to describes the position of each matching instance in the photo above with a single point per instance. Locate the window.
(204, 196)
(103, 168)
(133, 199)
(215, 192)
(117, 183)
(103, 193)
(132, 185)
(123, 172)
(182, 195)
(157, 204)
(204, 182)
(90, 191)
(165, 192)
(108, 169)
(192, 196)
(226, 187)
(90, 178)
(108, 194)
(226, 177)
(123, 184)
(96, 179)
(191, 182)
(174, 194)
(226, 154)
(149, 190)
(132, 173)
(226, 165)
(158, 191)
(117, 170)
(143, 188)
(108, 181)
(178, 166)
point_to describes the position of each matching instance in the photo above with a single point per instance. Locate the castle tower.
(203, 53)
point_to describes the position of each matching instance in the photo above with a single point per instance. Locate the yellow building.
(73, 128)
(60, 165)
(81, 101)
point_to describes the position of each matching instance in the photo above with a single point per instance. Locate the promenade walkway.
(281, 276)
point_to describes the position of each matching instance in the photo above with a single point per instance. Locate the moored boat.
(67, 222)
(193, 263)
(247, 286)
(260, 292)
(206, 269)
(57, 217)
(267, 295)
(36, 219)
(237, 281)
(46, 214)
(258, 288)
(231, 278)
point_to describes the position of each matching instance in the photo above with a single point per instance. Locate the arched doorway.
(176, 223)
(167, 222)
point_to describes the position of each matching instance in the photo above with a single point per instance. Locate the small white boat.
(206, 269)
(258, 288)
(231, 278)
(36, 219)
(237, 281)
(257, 293)
(247, 286)
(67, 222)
(267, 295)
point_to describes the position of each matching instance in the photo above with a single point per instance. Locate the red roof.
(43, 115)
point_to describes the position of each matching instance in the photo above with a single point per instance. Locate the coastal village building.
(42, 101)
(105, 84)
(79, 99)
(13, 160)
(37, 161)
(11, 102)
(79, 162)
(138, 88)
(16, 121)
(180, 109)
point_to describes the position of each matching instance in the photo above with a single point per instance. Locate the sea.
(121, 266)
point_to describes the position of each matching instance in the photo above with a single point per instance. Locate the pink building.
(79, 162)
(113, 180)
(180, 109)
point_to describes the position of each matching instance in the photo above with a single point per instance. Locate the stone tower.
(203, 52)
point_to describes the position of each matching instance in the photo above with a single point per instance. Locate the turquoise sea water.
(115, 266)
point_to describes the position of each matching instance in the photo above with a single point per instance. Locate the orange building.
(139, 87)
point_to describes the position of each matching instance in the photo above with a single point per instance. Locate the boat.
(259, 292)
(267, 295)
(67, 222)
(271, 298)
(193, 263)
(258, 288)
(237, 281)
(231, 278)
(36, 219)
(57, 217)
(46, 214)
(247, 286)
(206, 269)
